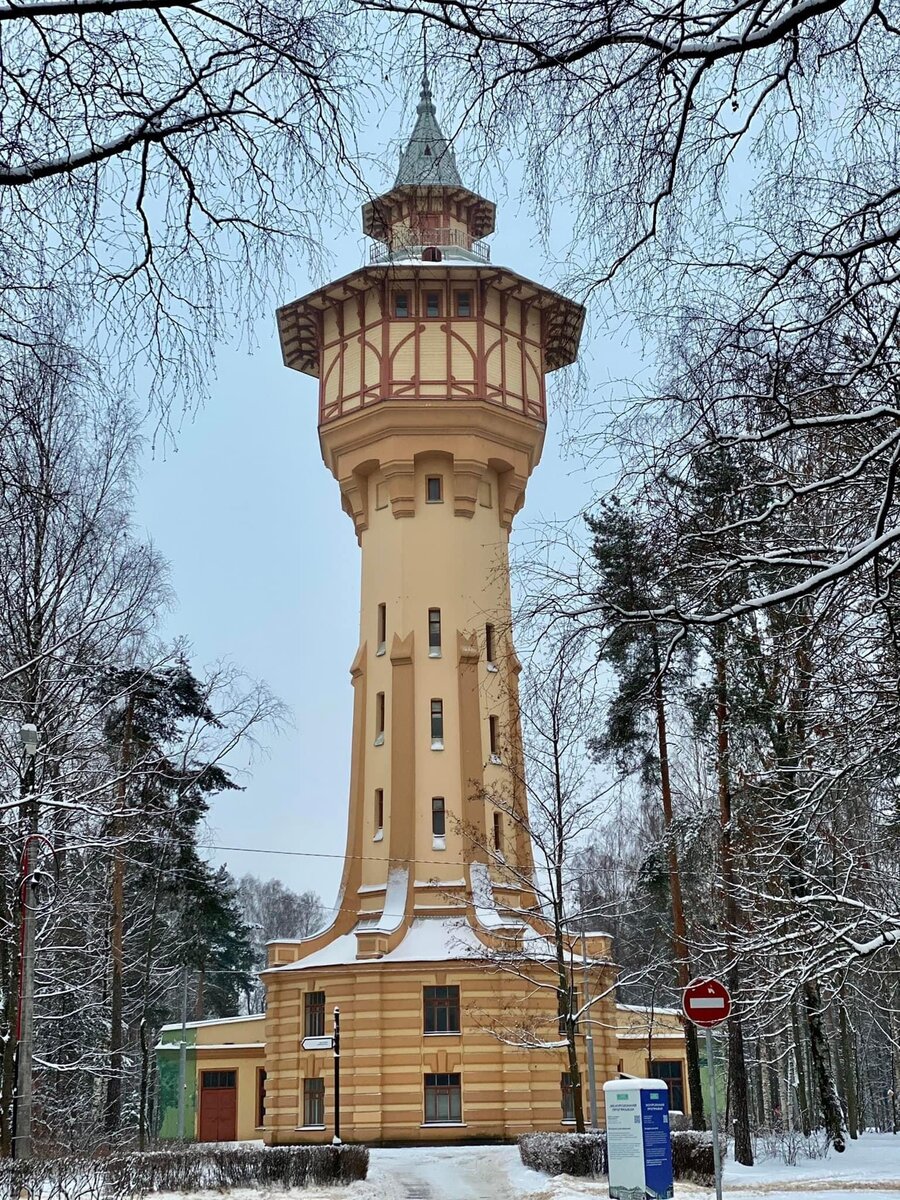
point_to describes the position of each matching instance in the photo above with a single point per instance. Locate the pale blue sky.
(266, 566)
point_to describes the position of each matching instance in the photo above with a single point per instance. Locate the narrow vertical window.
(568, 1096)
(489, 644)
(434, 490)
(382, 628)
(314, 1014)
(494, 734)
(498, 832)
(437, 724)
(464, 304)
(401, 304)
(379, 719)
(260, 1097)
(434, 633)
(432, 304)
(379, 811)
(313, 1102)
(438, 816)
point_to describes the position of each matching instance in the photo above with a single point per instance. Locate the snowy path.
(870, 1170)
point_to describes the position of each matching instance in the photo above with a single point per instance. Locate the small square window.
(434, 489)
(438, 817)
(464, 304)
(432, 304)
(401, 304)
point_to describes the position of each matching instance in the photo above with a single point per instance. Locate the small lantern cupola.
(428, 209)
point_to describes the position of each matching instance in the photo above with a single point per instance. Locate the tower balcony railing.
(414, 242)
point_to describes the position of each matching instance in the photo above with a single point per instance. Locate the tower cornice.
(300, 322)
(474, 435)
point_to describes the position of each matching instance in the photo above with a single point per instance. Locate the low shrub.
(183, 1169)
(222, 1167)
(565, 1153)
(692, 1156)
(585, 1154)
(792, 1146)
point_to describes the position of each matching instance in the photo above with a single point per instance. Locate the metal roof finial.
(428, 159)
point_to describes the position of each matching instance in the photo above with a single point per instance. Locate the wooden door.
(218, 1106)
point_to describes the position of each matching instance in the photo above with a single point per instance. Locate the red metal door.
(218, 1106)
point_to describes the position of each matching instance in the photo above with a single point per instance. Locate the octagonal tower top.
(428, 206)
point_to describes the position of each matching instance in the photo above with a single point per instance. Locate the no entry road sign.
(706, 1002)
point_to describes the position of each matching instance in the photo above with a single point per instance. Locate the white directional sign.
(318, 1043)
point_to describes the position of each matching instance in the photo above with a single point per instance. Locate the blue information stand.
(638, 1139)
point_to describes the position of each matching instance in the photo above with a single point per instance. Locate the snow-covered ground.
(870, 1168)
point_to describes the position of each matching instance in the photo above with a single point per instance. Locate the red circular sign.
(706, 1002)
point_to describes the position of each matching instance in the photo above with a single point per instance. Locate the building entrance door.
(218, 1106)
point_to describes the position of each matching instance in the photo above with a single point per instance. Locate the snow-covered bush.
(564, 1153)
(182, 1169)
(585, 1154)
(692, 1156)
(219, 1168)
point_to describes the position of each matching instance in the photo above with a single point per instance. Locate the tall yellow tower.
(431, 364)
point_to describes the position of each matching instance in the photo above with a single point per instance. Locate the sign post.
(638, 1140)
(707, 1003)
(336, 1140)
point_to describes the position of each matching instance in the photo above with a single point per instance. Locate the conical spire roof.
(428, 159)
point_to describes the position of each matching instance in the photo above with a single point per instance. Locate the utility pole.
(588, 1035)
(23, 1101)
(182, 1053)
(336, 1140)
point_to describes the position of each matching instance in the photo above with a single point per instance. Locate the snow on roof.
(429, 939)
(212, 1045)
(394, 904)
(485, 904)
(212, 1021)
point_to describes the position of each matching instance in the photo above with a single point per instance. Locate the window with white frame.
(437, 724)
(434, 633)
(379, 719)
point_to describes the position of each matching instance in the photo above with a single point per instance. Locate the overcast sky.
(266, 566)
